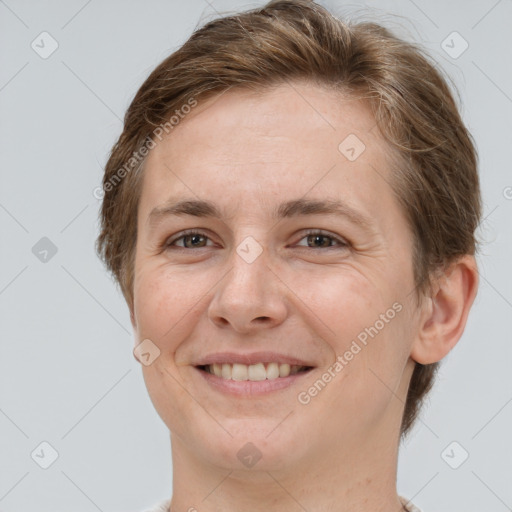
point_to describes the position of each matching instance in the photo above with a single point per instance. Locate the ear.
(445, 313)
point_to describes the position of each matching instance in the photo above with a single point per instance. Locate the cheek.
(346, 300)
(169, 396)
(367, 326)
(378, 354)
(164, 303)
(164, 306)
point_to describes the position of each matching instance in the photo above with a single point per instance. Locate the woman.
(290, 213)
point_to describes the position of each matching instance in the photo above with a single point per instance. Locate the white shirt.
(163, 506)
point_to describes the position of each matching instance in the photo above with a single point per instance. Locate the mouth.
(254, 372)
(243, 381)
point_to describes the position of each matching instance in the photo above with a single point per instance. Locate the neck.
(323, 483)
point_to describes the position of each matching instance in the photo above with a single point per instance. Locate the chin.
(256, 445)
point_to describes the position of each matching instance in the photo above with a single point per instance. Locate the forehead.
(255, 149)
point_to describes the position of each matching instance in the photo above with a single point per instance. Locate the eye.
(323, 239)
(194, 239)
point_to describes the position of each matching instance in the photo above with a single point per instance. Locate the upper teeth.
(253, 372)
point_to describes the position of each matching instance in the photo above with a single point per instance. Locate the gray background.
(67, 374)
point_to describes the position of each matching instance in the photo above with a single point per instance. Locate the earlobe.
(445, 314)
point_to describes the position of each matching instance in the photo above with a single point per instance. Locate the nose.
(249, 297)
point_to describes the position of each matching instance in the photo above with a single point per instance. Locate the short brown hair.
(435, 178)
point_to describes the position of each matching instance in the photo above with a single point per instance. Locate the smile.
(253, 372)
(246, 381)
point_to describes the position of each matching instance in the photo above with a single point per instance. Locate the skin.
(248, 152)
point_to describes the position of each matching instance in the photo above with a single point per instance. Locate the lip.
(248, 388)
(252, 358)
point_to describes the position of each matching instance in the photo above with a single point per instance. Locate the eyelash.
(342, 243)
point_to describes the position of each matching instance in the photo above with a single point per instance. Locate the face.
(279, 275)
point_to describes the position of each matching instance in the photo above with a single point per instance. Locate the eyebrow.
(288, 209)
